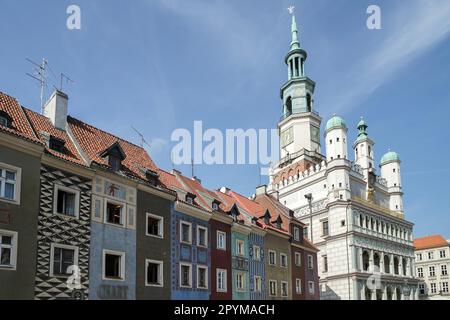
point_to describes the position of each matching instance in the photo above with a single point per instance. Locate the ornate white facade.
(353, 214)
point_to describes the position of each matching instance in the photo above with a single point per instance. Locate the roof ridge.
(105, 132)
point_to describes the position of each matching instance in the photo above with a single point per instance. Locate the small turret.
(390, 170)
(336, 139)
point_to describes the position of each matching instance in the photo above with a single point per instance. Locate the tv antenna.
(64, 77)
(40, 76)
(141, 136)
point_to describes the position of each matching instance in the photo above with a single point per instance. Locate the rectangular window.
(272, 288)
(310, 262)
(154, 273)
(444, 287)
(240, 281)
(432, 272)
(202, 236)
(155, 225)
(284, 289)
(325, 264)
(298, 259)
(298, 286)
(283, 260)
(8, 249)
(305, 232)
(296, 234)
(421, 288)
(444, 271)
(113, 265)
(431, 255)
(9, 182)
(311, 288)
(240, 248)
(433, 287)
(442, 253)
(202, 277)
(256, 253)
(221, 277)
(258, 283)
(185, 275)
(420, 272)
(272, 258)
(61, 258)
(114, 213)
(419, 256)
(325, 230)
(221, 240)
(185, 232)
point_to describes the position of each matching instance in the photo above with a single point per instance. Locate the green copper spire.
(362, 127)
(295, 44)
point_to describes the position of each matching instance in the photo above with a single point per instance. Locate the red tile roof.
(94, 141)
(41, 123)
(430, 242)
(20, 126)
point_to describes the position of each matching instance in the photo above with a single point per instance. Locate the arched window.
(389, 293)
(398, 293)
(376, 260)
(387, 263)
(396, 262)
(367, 293)
(361, 221)
(308, 102)
(288, 106)
(404, 265)
(366, 262)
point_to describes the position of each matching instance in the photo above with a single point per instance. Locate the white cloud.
(418, 27)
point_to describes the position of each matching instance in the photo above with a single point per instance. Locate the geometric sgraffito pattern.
(53, 228)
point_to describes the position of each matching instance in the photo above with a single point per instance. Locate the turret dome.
(335, 122)
(390, 156)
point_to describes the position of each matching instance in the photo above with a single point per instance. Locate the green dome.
(336, 122)
(390, 156)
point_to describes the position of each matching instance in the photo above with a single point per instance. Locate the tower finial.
(294, 44)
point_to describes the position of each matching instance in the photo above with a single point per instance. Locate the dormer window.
(57, 145)
(5, 119)
(267, 217)
(215, 206)
(114, 155)
(190, 198)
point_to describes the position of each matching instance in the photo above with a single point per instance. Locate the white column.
(361, 266)
(371, 262)
(391, 264)
(382, 262)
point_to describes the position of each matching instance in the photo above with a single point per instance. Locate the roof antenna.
(62, 77)
(143, 142)
(40, 76)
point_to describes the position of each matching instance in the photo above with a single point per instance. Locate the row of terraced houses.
(87, 215)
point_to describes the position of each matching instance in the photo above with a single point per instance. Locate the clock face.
(287, 137)
(315, 134)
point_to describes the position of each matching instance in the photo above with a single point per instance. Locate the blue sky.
(159, 65)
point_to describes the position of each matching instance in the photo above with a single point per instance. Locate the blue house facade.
(240, 261)
(113, 241)
(256, 264)
(190, 252)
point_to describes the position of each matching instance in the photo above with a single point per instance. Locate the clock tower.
(299, 126)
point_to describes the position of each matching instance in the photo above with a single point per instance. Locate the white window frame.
(274, 257)
(296, 233)
(76, 209)
(206, 276)
(270, 288)
(224, 234)
(225, 279)
(311, 288)
(238, 243)
(181, 231)
(298, 259)
(420, 272)
(432, 271)
(298, 286)
(14, 244)
(433, 287)
(52, 253)
(255, 287)
(161, 225)
(444, 271)
(287, 289)
(310, 262)
(242, 274)
(442, 254)
(198, 236)
(17, 184)
(430, 255)
(185, 264)
(281, 260)
(122, 212)
(257, 257)
(122, 264)
(160, 273)
(444, 287)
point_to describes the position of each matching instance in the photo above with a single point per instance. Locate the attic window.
(57, 144)
(114, 163)
(189, 199)
(5, 119)
(215, 206)
(115, 155)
